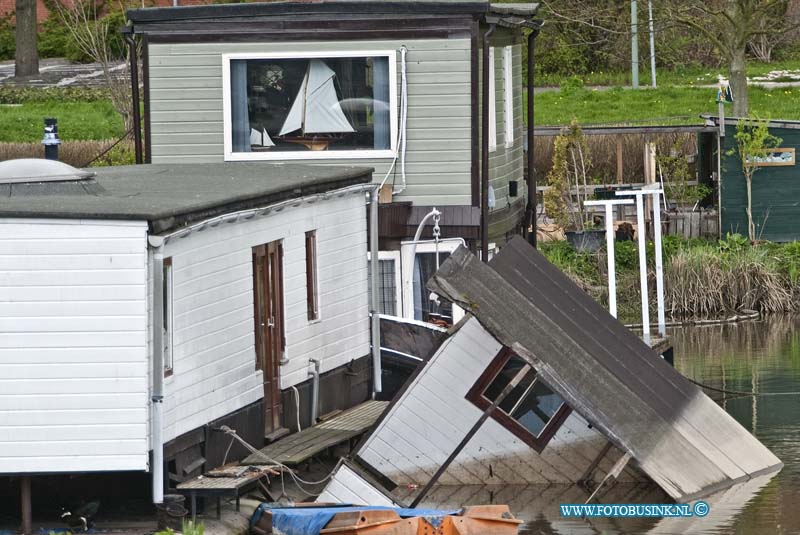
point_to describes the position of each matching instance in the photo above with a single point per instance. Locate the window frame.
(167, 337)
(446, 245)
(393, 256)
(312, 279)
(492, 101)
(231, 156)
(475, 396)
(508, 94)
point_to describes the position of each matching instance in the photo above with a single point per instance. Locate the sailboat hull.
(311, 143)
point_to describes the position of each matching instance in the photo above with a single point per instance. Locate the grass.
(685, 76)
(665, 105)
(91, 120)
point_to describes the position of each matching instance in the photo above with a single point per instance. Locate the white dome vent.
(39, 170)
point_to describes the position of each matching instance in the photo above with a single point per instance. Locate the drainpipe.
(314, 374)
(487, 71)
(134, 68)
(375, 321)
(156, 410)
(531, 219)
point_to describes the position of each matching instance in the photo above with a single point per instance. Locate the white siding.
(433, 415)
(73, 360)
(346, 486)
(214, 370)
(186, 109)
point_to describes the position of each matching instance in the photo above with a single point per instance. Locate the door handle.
(271, 322)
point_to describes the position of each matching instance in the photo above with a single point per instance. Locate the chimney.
(50, 139)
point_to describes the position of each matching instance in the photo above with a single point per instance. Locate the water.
(762, 356)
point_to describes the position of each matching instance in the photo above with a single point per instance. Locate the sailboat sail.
(260, 139)
(316, 108)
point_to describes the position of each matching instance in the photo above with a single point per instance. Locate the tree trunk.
(751, 228)
(738, 80)
(27, 56)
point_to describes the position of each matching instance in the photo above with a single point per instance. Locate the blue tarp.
(310, 520)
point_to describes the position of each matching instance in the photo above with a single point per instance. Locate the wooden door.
(269, 326)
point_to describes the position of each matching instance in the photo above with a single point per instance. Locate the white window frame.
(167, 337)
(394, 256)
(492, 103)
(508, 91)
(448, 245)
(309, 155)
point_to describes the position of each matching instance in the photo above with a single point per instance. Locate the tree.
(27, 55)
(731, 25)
(753, 144)
(570, 164)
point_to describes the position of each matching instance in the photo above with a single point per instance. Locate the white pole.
(662, 324)
(652, 43)
(634, 46)
(640, 231)
(612, 274)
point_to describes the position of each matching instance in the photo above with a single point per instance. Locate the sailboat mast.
(305, 100)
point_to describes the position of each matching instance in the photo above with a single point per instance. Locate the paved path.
(58, 72)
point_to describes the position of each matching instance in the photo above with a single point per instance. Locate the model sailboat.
(260, 139)
(316, 108)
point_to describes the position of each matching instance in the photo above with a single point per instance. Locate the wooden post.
(25, 499)
(619, 161)
(649, 178)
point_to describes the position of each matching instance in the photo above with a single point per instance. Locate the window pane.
(511, 368)
(309, 104)
(424, 308)
(537, 408)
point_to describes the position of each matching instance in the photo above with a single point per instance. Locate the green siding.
(776, 192)
(186, 110)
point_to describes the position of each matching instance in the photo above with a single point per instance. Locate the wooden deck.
(301, 446)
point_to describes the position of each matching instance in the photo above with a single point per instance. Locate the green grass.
(76, 120)
(685, 76)
(665, 105)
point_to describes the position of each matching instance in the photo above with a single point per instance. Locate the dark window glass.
(310, 104)
(426, 309)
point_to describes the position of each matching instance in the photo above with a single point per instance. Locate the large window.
(312, 293)
(303, 106)
(532, 411)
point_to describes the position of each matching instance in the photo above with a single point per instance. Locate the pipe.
(408, 281)
(157, 399)
(652, 43)
(487, 70)
(314, 374)
(531, 219)
(634, 45)
(375, 321)
(50, 139)
(137, 121)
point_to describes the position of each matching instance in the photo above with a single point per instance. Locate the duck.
(81, 518)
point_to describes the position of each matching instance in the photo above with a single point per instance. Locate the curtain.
(240, 118)
(380, 88)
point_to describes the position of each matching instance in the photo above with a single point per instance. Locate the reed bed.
(75, 153)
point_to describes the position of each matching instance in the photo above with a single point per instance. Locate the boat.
(330, 519)
(316, 110)
(260, 139)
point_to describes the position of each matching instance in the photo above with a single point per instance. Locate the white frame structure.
(310, 155)
(447, 245)
(492, 102)
(508, 93)
(394, 256)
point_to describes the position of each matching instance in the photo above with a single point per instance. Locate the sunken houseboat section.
(539, 385)
(168, 300)
(398, 86)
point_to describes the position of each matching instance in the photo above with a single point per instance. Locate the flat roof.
(312, 7)
(170, 196)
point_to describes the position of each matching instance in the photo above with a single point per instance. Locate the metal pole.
(662, 324)
(137, 121)
(487, 71)
(531, 220)
(157, 398)
(374, 264)
(640, 231)
(25, 499)
(634, 46)
(652, 43)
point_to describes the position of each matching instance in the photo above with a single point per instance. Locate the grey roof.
(678, 436)
(173, 195)
(299, 7)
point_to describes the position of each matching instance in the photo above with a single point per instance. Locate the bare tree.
(27, 55)
(93, 33)
(731, 25)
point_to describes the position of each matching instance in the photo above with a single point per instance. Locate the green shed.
(775, 190)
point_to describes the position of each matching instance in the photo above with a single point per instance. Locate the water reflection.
(762, 356)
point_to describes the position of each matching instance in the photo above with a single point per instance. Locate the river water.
(763, 356)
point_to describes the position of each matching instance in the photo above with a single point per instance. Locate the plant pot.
(585, 241)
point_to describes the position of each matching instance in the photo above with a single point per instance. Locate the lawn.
(665, 105)
(76, 120)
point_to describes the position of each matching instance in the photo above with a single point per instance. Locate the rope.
(741, 393)
(276, 464)
(117, 142)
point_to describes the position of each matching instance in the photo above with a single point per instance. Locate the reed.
(75, 153)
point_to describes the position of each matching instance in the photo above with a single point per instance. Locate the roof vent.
(39, 170)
